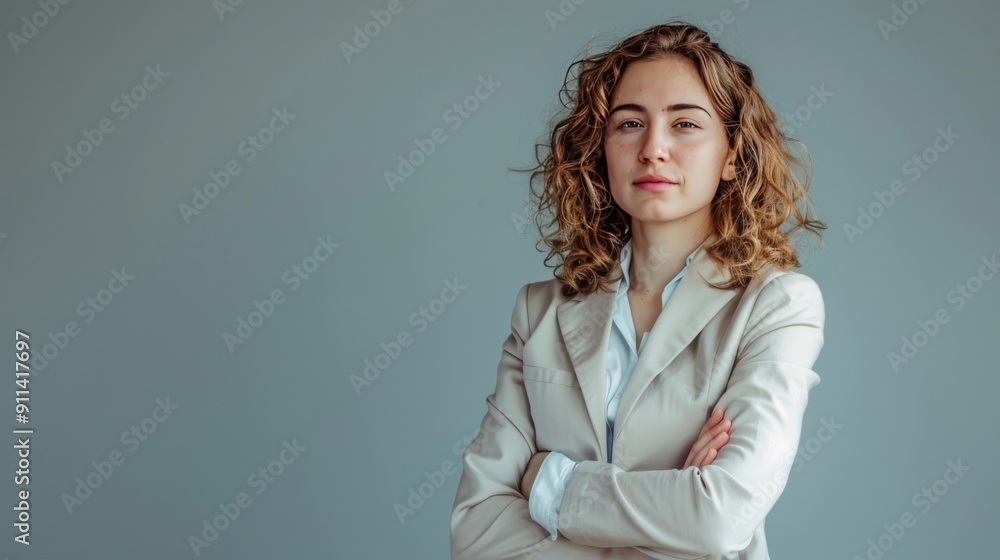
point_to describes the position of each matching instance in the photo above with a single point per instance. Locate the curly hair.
(748, 212)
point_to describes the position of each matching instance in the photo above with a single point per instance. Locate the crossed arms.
(608, 512)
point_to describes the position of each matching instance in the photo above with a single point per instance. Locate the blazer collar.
(585, 323)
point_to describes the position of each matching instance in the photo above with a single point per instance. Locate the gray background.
(455, 217)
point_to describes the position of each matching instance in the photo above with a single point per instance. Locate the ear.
(729, 170)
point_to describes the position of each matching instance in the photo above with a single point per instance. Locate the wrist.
(531, 472)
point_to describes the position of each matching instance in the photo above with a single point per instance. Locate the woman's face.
(662, 122)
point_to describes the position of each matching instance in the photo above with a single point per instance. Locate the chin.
(660, 211)
(657, 217)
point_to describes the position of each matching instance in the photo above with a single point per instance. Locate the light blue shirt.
(549, 486)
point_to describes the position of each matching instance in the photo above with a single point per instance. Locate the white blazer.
(749, 351)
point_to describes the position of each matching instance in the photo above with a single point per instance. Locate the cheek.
(617, 155)
(699, 159)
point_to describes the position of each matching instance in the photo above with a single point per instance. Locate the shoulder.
(534, 299)
(541, 294)
(778, 283)
(783, 321)
(797, 286)
(788, 291)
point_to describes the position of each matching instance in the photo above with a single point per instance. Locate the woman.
(667, 181)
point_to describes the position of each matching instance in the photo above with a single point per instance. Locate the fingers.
(713, 420)
(698, 457)
(708, 436)
(706, 457)
(712, 454)
(714, 447)
(713, 436)
(711, 447)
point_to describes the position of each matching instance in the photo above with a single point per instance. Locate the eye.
(622, 125)
(688, 122)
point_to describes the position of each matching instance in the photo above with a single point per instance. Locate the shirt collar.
(626, 259)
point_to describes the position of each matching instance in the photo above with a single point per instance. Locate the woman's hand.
(713, 436)
(528, 478)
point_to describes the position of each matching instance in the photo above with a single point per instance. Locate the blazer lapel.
(585, 322)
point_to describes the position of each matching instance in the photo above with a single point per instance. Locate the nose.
(655, 146)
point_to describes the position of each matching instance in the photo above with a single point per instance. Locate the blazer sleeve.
(714, 510)
(490, 518)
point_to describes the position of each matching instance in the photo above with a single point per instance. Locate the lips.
(654, 178)
(654, 183)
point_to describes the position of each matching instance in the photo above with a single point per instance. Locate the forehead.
(660, 80)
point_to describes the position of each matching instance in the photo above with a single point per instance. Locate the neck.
(658, 256)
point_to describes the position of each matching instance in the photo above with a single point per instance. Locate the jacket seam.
(752, 309)
(511, 422)
(527, 312)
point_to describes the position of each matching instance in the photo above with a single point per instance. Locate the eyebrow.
(673, 107)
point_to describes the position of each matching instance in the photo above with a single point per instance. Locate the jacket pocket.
(543, 374)
(558, 413)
